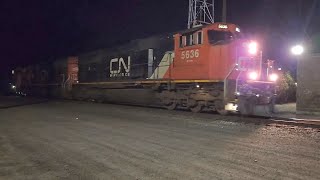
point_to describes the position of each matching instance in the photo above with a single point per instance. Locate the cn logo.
(119, 67)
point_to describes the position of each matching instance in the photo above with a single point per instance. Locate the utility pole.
(201, 12)
(224, 11)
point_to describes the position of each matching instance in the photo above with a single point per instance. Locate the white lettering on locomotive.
(190, 54)
(223, 26)
(117, 65)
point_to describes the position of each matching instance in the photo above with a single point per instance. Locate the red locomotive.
(205, 68)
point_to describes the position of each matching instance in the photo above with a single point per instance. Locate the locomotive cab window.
(199, 37)
(219, 37)
(181, 41)
(191, 39)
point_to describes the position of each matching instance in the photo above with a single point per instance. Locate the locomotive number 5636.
(189, 54)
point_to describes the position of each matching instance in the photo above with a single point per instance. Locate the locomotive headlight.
(273, 77)
(253, 75)
(253, 48)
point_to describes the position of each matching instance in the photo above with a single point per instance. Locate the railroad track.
(296, 121)
(256, 119)
(277, 120)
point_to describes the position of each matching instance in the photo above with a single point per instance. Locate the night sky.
(38, 30)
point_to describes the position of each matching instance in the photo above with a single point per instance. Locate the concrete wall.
(308, 92)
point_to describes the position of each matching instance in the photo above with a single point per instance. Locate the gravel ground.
(77, 140)
(13, 101)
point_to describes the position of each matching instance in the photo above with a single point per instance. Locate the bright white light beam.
(297, 50)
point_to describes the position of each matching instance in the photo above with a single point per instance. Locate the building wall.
(308, 92)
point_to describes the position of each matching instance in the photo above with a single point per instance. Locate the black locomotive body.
(105, 75)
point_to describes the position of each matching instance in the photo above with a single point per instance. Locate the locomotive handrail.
(237, 81)
(66, 82)
(63, 77)
(225, 81)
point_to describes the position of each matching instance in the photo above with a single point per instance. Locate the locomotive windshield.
(220, 37)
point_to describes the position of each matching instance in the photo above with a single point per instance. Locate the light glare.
(297, 50)
(273, 77)
(253, 48)
(253, 75)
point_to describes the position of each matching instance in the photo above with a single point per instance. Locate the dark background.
(40, 30)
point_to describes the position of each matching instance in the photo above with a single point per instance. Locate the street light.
(297, 50)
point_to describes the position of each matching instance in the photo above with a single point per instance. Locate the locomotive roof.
(201, 27)
(142, 43)
(134, 45)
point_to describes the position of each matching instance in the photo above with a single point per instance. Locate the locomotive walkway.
(79, 140)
